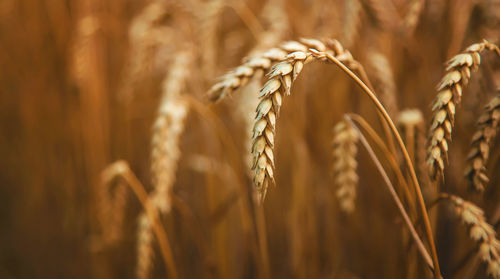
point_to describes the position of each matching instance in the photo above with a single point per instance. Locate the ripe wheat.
(281, 77)
(449, 96)
(479, 231)
(487, 128)
(345, 148)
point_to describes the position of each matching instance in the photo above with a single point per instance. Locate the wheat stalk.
(165, 152)
(145, 252)
(146, 38)
(411, 122)
(263, 61)
(383, 81)
(449, 96)
(487, 127)
(353, 10)
(345, 140)
(281, 77)
(479, 231)
(167, 130)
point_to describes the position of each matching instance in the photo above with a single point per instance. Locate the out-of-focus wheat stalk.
(383, 81)
(411, 122)
(449, 96)
(345, 148)
(479, 231)
(165, 151)
(148, 220)
(352, 23)
(410, 21)
(147, 37)
(487, 127)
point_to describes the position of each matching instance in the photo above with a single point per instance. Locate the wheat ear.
(411, 122)
(165, 152)
(145, 252)
(241, 75)
(345, 139)
(487, 127)
(383, 81)
(167, 130)
(281, 77)
(449, 96)
(480, 231)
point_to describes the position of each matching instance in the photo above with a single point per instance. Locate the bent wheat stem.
(392, 126)
(152, 214)
(394, 195)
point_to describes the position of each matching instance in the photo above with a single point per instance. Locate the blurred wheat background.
(107, 109)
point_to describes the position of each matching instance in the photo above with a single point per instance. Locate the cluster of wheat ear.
(449, 96)
(481, 141)
(479, 231)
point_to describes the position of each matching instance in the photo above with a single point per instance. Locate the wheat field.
(249, 139)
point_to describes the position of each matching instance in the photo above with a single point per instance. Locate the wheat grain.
(479, 231)
(241, 75)
(449, 96)
(345, 139)
(480, 147)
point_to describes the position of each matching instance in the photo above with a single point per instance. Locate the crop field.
(249, 139)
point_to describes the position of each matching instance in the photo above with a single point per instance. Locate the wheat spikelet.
(281, 77)
(480, 147)
(241, 75)
(449, 96)
(345, 140)
(479, 231)
(145, 250)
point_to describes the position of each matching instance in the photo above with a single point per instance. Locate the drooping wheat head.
(281, 77)
(480, 231)
(449, 96)
(487, 127)
(345, 139)
(263, 61)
